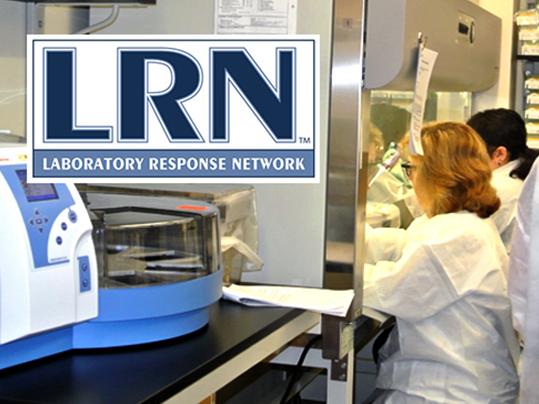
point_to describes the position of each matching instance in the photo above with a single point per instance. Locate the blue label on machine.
(84, 274)
(40, 205)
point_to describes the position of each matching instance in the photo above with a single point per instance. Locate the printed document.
(333, 302)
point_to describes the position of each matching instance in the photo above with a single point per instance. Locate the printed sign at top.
(173, 108)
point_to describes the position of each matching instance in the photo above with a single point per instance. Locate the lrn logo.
(173, 109)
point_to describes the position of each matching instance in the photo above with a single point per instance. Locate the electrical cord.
(102, 24)
(297, 369)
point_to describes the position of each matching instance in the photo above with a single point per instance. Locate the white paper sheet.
(333, 302)
(255, 17)
(425, 65)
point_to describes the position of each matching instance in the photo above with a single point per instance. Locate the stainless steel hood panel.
(464, 35)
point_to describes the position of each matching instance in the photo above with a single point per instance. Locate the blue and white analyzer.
(48, 270)
(109, 271)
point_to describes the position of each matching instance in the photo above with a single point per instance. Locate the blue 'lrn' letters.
(274, 106)
(134, 95)
(59, 108)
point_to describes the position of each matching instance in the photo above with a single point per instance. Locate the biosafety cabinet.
(312, 234)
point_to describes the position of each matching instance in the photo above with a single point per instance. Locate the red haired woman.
(444, 279)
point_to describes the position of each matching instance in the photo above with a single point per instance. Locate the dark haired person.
(445, 281)
(393, 121)
(392, 187)
(504, 133)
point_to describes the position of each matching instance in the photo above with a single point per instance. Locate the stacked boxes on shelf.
(528, 36)
(528, 31)
(531, 113)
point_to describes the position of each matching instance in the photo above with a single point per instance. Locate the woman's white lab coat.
(508, 190)
(445, 282)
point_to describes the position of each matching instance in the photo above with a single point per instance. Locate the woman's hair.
(455, 170)
(393, 121)
(504, 127)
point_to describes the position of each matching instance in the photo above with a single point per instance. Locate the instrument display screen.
(36, 192)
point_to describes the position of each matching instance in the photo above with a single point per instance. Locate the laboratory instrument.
(154, 270)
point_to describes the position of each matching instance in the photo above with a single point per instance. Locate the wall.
(166, 17)
(62, 19)
(16, 20)
(12, 66)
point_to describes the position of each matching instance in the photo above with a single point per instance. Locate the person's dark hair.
(393, 121)
(504, 127)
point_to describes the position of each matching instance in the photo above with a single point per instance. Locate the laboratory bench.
(182, 370)
(185, 369)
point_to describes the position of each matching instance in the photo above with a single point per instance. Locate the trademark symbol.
(305, 140)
